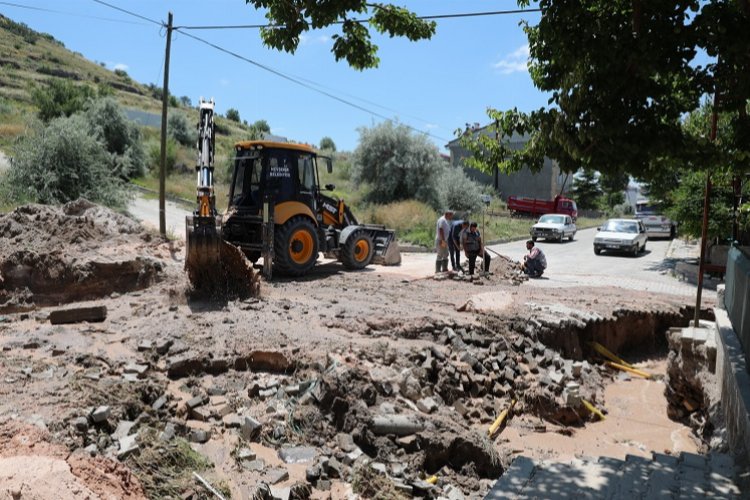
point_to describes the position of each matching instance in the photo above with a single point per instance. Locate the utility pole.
(706, 209)
(164, 104)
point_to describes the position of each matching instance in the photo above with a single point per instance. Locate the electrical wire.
(73, 14)
(425, 18)
(159, 23)
(306, 85)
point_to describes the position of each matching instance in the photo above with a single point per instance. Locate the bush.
(326, 143)
(120, 137)
(62, 163)
(397, 164)
(180, 131)
(233, 114)
(60, 98)
(459, 192)
(154, 155)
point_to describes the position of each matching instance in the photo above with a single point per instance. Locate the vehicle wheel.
(597, 251)
(636, 250)
(643, 248)
(357, 252)
(533, 238)
(672, 232)
(570, 238)
(295, 247)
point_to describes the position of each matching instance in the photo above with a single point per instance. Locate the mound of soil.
(79, 251)
(33, 467)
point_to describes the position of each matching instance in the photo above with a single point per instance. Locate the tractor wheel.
(357, 252)
(295, 247)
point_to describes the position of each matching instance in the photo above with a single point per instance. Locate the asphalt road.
(569, 264)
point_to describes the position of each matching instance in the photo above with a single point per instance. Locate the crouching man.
(534, 262)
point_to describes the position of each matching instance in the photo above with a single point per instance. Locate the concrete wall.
(737, 295)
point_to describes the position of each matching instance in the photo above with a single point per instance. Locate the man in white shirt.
(442, 235)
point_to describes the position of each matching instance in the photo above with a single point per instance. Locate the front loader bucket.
(387, 252)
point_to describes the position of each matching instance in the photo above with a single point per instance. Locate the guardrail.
(737, 296)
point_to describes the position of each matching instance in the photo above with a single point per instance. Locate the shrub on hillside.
(233, 114)
(60, 98)
(120, 137)
(154, 155)
(180, 131)
(61, 163)
(457, 191)
(397, 164)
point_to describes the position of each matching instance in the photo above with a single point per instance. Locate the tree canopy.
(292, 18)
(621, 75)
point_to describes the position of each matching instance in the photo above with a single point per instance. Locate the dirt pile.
(31, 466)
(79, 251)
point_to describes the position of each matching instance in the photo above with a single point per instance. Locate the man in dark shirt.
(474, 247)
(454, 243)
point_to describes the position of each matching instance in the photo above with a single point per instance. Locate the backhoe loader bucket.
(216, 269)
(387, 252)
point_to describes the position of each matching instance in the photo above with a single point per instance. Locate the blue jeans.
(455, 253)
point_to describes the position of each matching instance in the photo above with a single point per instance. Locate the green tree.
(613, 185)
(186, 102)
(586, 190)
(326, 143)
(397, 164)
(62, 162)
(179, 130)
(621, 76)
(457, 191)
(120, 137)
(261, 126)
(60, 98)
(233, 114)
(290, 19)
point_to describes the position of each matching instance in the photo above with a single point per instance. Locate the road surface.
(569, 264)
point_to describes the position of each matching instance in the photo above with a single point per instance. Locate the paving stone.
(123, 429)
(246, 454)
(379, 467)
(277, 475)
(199, 435)
(128, 445)
(145, 345)
(298, 454)
(80, 424)
(101, 414)
(664, 459)
(250, 428)
(159, 403)
(168, 433)
(139, 369)
(201, 413)
(195, 402)
(257, 465)
(693, 460)
(232, 420)
(427, 405)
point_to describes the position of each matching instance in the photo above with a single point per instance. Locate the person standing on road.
(442, 235)
(534, 262)
(474, 247)
(454, 243)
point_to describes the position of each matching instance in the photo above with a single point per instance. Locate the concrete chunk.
(250, 428)
(94, 314)
(298, 454)
(101, 414)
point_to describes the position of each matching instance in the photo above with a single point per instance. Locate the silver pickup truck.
(657, 224)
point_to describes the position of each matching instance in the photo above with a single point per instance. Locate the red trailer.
(534, 206)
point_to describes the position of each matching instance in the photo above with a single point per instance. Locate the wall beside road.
(737, 297)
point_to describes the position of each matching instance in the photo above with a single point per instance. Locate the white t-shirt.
(445, 225)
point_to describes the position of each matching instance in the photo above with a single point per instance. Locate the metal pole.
(704, 228)
(164, 104)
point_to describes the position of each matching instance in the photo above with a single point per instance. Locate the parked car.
(622, 235)
(657, 225)
(554, 227)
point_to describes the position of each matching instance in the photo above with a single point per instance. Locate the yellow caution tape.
(609, 354)
(593, 409)
(500, 419)
(629, 369)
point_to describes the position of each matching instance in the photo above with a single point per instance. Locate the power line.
(159, 23)
(73, 14)
(426, 18)
(306, 85)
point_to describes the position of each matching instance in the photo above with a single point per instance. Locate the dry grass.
(11, 130)
(370, 484)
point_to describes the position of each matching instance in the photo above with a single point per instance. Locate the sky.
(435, 86)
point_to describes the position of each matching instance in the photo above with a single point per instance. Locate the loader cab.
(286, 171)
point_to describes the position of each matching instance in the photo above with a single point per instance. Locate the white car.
(554, 227)
(621, 235)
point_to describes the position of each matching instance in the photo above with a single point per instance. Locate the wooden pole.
(164, 105)
(704, 228)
